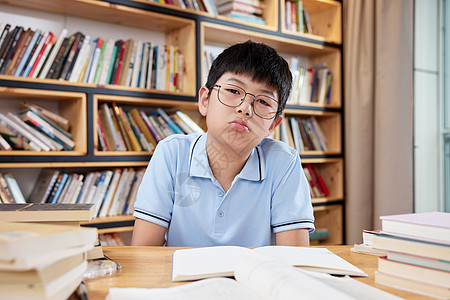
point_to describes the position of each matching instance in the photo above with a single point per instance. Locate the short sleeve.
(154, 201)
(291, 200)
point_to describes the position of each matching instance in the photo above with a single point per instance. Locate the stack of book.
(135, 130)
(244, 10)
(113, 192)
(41, 261)
(297, 18)
(418, 253)
(81, 58)
(9, 189)
(302, 134)
(310, 84)
(35, 128)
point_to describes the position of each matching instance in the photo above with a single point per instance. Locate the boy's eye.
(263, 102)
(233, 91)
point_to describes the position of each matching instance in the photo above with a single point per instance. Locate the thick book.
(199, 263)
(412, 246)
(41, 274)
(19, 239)
(430, 225)
(413, 272)
(46, 212)
(259, 277)
(412, 285)
(59, 288)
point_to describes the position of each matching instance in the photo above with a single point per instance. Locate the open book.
(259, 277)
(199, 263)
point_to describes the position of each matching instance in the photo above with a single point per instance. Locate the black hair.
(257, 60)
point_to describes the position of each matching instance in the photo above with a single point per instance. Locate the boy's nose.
(246, 105)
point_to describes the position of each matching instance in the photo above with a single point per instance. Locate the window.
(446, 106)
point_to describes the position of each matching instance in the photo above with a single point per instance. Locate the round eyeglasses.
(232, 95)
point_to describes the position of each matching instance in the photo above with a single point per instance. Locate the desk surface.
(150, 267)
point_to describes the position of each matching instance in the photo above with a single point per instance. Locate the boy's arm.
(294, 237)
(147, 234)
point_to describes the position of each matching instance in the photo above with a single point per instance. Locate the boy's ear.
(275, 123)
(203, 100)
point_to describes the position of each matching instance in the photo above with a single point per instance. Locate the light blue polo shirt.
(179, 192)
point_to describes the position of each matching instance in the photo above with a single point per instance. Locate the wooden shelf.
(325, 18)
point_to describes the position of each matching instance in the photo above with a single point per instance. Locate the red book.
(119, 67)
(47, 43)
(322, 183)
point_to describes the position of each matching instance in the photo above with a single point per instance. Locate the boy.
(231, 185)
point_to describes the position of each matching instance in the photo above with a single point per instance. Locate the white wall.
(426, 106)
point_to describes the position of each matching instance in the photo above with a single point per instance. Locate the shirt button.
(220, 214)
(220, 193)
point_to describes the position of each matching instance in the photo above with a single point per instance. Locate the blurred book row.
(35, 128)
(244, 10)
(112, 191)
(84, 59)
(136, 130)
(302, 134)
(310, 84)
(297, 18)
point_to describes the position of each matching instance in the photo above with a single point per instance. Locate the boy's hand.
(295, 237)
(147, 234)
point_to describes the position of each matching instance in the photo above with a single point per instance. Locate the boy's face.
(238, 127)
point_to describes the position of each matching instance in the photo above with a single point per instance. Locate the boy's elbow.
(147, 234)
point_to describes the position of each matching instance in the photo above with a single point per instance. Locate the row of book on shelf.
(244, 10)
(35, 128)
(81, 58)
(135, 130)
(310, 84)
(113, 192)
(297, 17)
(302, 134)
(414, 252)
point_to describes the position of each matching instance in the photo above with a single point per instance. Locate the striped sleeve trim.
(151, 218)
(294, 225)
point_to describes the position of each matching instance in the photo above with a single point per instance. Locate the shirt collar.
(199, 166)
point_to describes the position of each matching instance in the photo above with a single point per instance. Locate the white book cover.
(95, 59)
(36, 54)
(110, 194)
(136, 64)
(52, 54)
(81, 59)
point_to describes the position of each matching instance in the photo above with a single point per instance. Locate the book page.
(198, 263)
(207, 289)
(353, 287)
(277, 281)
(314, 259)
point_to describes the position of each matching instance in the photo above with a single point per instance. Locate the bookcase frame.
(191, 31)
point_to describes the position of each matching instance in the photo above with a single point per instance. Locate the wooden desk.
(151, 267)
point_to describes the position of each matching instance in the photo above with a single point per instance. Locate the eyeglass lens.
(232, 95)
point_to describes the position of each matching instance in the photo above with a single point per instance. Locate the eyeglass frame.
(253, 101)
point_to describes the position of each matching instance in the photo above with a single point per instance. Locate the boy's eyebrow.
(264, 91)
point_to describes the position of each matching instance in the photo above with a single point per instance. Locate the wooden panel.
(215, 33)
(330, 217)
(87, 164)
(325, 19)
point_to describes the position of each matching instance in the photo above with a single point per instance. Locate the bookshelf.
(193, 32)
